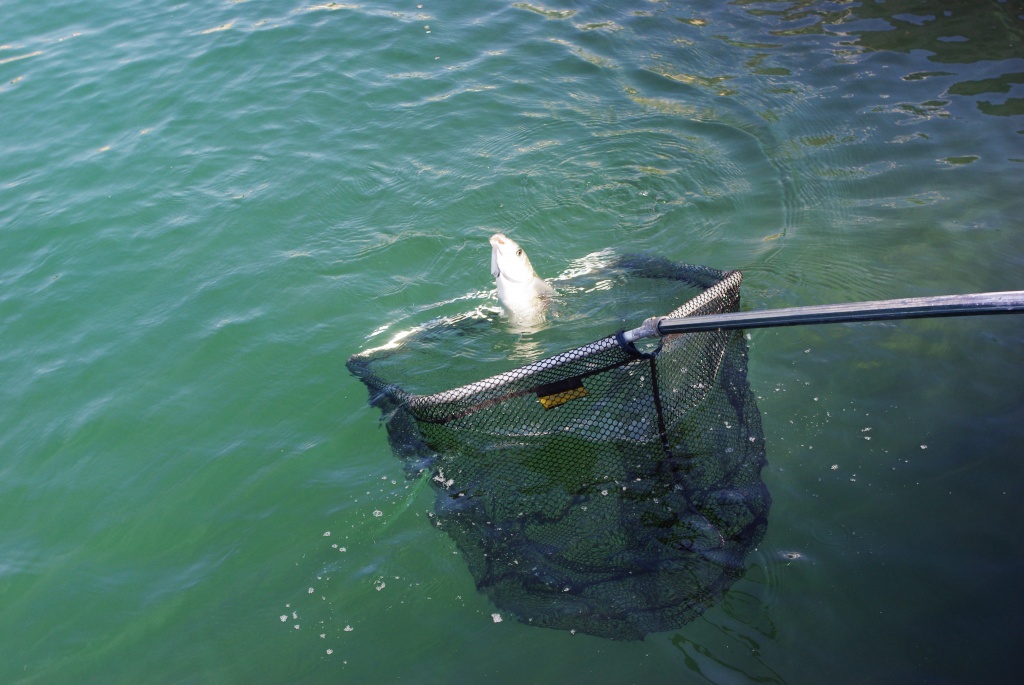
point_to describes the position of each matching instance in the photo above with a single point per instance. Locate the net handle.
(1006, 302)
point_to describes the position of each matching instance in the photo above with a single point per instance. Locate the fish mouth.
(497, 241)
(503, 246)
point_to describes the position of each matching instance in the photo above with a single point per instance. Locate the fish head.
(508, 261)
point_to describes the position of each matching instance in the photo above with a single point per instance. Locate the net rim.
(731, 280)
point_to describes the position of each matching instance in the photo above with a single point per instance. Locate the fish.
(523, 295)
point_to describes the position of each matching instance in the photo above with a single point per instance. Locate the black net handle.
(1006, 302)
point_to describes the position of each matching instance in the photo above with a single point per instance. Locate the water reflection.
(1002, 84)
(949, 32)
(954, 32)
(711, 664)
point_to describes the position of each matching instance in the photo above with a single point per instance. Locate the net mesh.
(608, 489)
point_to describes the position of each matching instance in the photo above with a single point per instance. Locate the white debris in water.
(309, 591)
(284, 617)
(835, 467)
(327, 533)
(440, 479)
(378, 513)
(496, 618)
(330, 651)
(924, 447)
(348, 629)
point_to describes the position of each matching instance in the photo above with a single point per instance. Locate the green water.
(206, 207)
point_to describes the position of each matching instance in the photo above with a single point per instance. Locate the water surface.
(205, 209)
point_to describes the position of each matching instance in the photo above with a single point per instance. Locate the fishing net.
(610, 489)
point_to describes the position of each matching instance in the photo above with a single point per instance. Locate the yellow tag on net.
(556, 394)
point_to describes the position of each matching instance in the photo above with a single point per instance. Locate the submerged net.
(609, 489)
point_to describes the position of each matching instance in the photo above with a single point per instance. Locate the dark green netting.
(608, 489)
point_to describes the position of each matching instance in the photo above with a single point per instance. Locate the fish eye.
(519, 252)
